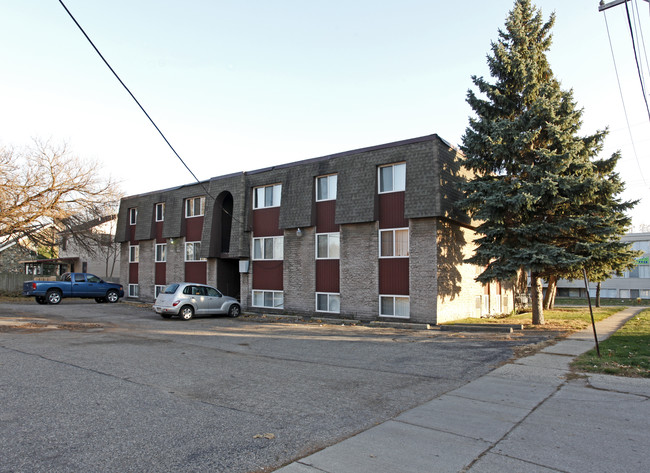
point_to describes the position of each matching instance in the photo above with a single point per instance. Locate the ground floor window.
(268, 299)
(134, 290)
(157, 290)
(645, 294)
(394, 306)
(328, 302)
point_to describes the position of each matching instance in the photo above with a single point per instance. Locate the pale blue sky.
(241, 85)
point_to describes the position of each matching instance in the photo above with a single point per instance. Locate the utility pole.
(604, 6)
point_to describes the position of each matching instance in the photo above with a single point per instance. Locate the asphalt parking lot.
(114, 387)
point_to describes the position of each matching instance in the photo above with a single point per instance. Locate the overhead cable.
(620, 89)
(133, 97)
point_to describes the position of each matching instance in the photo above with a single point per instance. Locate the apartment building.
(632, 284)
(369, 234)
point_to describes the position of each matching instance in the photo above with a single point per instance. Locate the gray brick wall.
(146, 270)
(360, 271)
(299, 271)
(423, 273)
(175, 260)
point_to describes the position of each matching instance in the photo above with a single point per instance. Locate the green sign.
(644, 260)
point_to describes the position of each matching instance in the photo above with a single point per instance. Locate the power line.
(636, 58)
(133, 97)
(149, 117)
(627, 120)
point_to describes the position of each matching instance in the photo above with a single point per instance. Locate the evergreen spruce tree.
(542, 203)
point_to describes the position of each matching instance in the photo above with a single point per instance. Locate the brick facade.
(438, 285)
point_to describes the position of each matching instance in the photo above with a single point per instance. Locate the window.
(157, 290)
(134, 290)
(394, 243)
(193, 251)
(392, 178)
(268, 248)
(328, 246)
(161, 253)
(195, 207)
(134, 253)
(326, 187)
(326, 302)
(133, 216)
(268, 299)
(267, 196)
(394, 306)
(171, 289)
(160, 212)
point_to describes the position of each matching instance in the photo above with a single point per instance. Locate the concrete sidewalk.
(530, 415)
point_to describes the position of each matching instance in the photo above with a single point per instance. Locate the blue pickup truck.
(82, 285)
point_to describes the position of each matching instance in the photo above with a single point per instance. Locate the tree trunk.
(598, 294)
(549, 297)
(537, 299)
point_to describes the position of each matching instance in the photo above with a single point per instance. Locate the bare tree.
(44, 185)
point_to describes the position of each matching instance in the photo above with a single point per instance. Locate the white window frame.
(394, 242)
(398, 184)
(394, 297)
(163, 246)
(134, 290)
(329, 236)
(332, 184)
(260, 195)
(330, 296)
(190, 207)
(157, 289)
(161, 206)
(276, 248)
(133, 215)
(277, 298)
(134, 253)
(196, 251)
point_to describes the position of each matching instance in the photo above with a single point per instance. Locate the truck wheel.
(40, 300)
(112, 296)
(234, 311)
(53, 296)
(186, 312)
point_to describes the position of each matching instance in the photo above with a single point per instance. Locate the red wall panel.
(133, 273)
(325, 217)
(266, 222)
(161, 274)
(195, 271)
(193, 229)
(159, 229)
(391, 210)
(394, 276)
(268, 275)
(327, 275)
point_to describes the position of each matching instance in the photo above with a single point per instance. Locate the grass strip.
(625, 353)
(563, 319)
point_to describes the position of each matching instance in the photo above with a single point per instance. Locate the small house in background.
(369, 234)
(16, 249)
(88, 247)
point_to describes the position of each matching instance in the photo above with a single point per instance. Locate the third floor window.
(267, 196)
